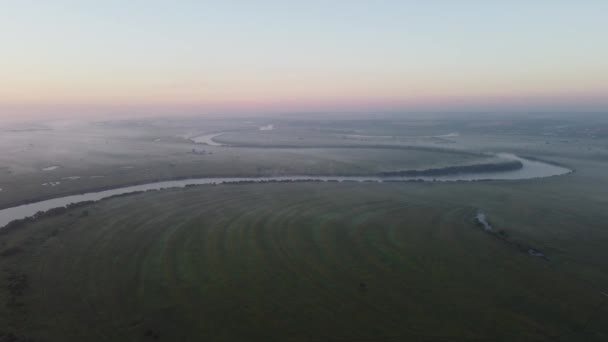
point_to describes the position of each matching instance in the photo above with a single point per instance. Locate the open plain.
(318, 261)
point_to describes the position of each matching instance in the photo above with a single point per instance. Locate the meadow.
(326, 261)
(55, 160)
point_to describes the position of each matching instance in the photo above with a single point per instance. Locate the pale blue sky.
(338, 54)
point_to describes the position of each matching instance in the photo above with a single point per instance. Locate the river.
(531, 169)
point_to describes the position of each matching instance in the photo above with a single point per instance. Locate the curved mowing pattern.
(284, 262)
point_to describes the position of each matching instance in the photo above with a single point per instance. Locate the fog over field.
(303, 171)
(500, 219)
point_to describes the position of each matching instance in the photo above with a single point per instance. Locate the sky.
(110, 57)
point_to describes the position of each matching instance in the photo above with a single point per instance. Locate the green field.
(307, 261)
(106, 156)
(312, 262)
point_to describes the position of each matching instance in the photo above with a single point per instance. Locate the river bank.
(529, 169)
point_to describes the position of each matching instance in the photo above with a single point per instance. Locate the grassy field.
(306, 261)
(314, 262)
(93, 156)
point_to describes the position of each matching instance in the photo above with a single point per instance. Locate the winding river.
(531, 169)
(207, 139)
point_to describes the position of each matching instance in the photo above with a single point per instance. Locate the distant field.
(313, 262)
(89, 157)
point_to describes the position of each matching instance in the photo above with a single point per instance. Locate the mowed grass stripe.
(293, 262)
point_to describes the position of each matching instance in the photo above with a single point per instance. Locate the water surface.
(531, 169)
(207, 139)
